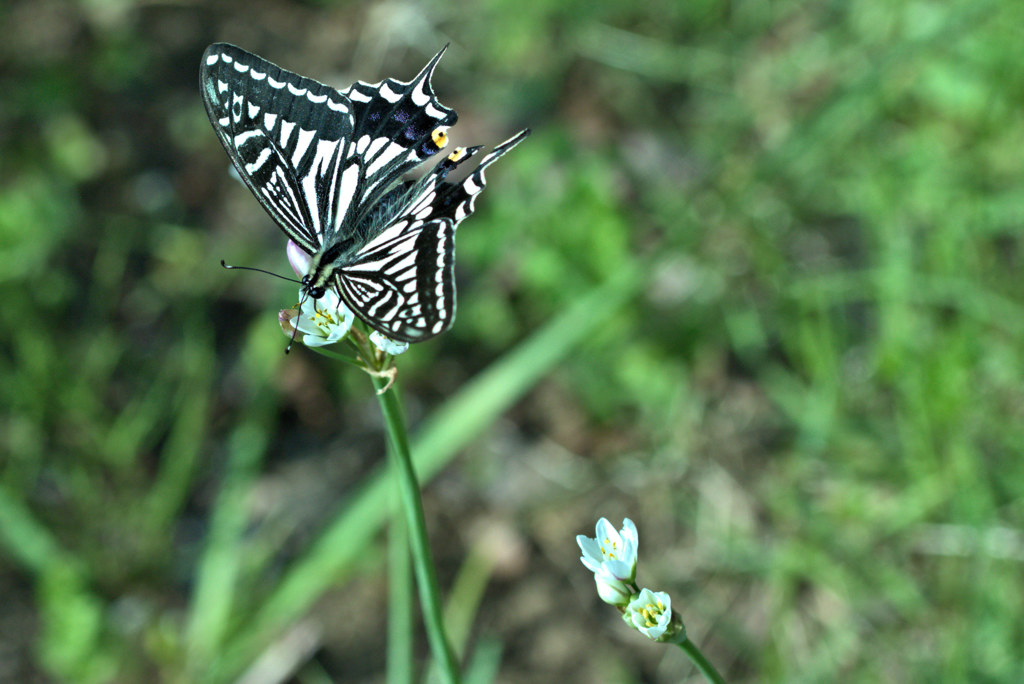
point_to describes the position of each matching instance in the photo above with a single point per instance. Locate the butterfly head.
(314, 291)
(319, 268)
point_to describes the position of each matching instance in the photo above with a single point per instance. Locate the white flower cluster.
(612, 556)
(326, 320)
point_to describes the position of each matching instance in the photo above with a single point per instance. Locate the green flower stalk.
(324, 322)
(409, 493)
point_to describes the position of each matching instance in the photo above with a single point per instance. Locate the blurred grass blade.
(483, 666)
(287, 656)
(219, 569)
(27, 540)
(451, 428)
(651, 57)
(465, 415)
(72, 642)
(464, 597)
(180, 453)
(70, 616)
(962, 294)
(466, 594)
(140, 423)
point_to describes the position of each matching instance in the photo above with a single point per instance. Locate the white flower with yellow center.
(611, 555)
(326, 320)
(320, 321)
(651, 613)
(614, 549)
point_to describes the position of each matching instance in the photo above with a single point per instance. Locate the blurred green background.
(754, 282)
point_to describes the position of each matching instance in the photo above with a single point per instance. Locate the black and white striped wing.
(435, 198)
(327, 165)
(398, 125)
(402, 282)
(288, 136)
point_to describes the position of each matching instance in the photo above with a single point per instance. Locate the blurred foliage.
(812, 406)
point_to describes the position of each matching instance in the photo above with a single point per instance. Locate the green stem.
(702, 663)
(331, 354)
(400, 598)
(409, 492)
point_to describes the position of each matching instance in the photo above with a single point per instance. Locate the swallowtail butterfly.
(328, 166)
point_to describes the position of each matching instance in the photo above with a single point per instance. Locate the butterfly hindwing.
(402, 282)
(434, 197)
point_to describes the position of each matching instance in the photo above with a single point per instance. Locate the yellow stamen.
(322, 317)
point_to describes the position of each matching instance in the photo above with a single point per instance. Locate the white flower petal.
(387, 345)
(322, 321)
(590, 548)
(605, 530)
(629, 533)
(615, 593)
(612, 554)
(591, 564)
(314, 341)
(307, 327)
(620, 570)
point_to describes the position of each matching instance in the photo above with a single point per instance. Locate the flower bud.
(611, 589)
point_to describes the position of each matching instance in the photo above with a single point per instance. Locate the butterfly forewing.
(402, 282)
(287, 136)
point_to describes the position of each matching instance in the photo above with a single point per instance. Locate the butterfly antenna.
(295, 329)
(259, 270)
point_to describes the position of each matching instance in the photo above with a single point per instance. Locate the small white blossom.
(651, 613)
(321, 321)
(611, 556)
(614, 550)
(387, 345)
